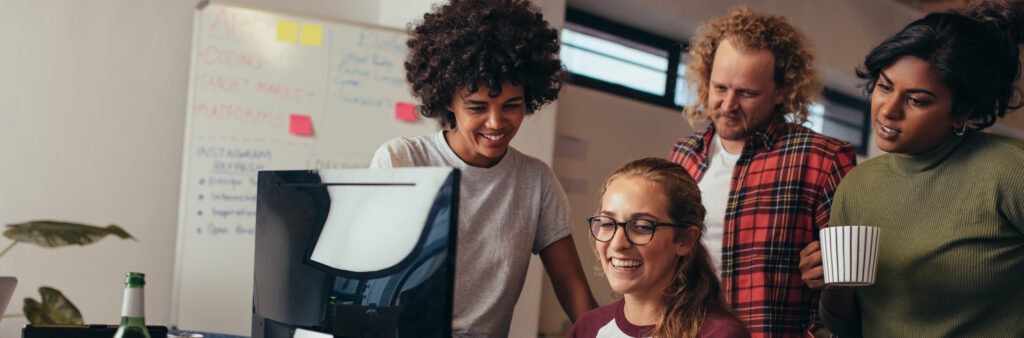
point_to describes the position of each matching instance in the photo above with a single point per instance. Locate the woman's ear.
(961, 114)
(686, 240)
(960, 124)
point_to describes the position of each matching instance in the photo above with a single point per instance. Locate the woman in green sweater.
(948, 198)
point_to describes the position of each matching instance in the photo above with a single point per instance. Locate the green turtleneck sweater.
(951, 252)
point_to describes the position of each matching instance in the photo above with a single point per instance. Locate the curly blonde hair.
(795, 72)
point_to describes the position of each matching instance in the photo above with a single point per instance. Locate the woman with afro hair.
(479, 67)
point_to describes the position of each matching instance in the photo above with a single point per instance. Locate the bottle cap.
(135, 278)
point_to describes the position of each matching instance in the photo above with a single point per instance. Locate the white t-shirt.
(714, 189)
(506, 212)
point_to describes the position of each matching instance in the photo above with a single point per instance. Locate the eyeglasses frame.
(654, 225)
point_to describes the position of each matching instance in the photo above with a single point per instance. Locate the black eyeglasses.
(638, 231)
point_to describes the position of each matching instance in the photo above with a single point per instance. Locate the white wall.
(92, 100)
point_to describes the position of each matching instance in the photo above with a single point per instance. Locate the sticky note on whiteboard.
(300, 125)
(311, 34)
(287, 31)
(405, 111)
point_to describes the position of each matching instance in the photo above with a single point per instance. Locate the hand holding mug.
(811, 270)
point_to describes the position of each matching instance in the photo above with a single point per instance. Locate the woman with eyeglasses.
(647, 238)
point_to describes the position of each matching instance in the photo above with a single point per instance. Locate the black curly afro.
(467, 43)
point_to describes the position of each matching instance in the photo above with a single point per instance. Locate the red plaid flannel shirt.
(779, 197)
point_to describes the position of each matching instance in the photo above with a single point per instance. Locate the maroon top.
(610, 321)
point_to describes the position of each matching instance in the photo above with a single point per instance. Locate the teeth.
(622, 263)
(886, 129)
(494, 137)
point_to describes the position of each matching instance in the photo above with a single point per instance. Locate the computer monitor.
(355, 252)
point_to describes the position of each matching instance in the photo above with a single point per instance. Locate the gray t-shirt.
(506, 212)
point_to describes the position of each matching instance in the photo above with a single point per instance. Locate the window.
(684, 95)
(844, 117)
(621, 60)
(610, 57)
(640, 68)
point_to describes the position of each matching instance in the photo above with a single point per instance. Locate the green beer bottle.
(133, 320)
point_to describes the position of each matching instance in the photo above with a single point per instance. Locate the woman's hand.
(810, 266)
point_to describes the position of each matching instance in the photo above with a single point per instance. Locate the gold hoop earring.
(963, 129)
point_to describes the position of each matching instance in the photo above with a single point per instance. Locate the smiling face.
(742, 92)
(485, 125)
(644, 271)
(911, 108)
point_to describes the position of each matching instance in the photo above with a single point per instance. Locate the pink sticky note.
(300, 125)
(405, 111)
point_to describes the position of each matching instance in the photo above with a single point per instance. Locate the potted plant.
(53, 307)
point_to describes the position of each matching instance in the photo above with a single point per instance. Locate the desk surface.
(186, 333)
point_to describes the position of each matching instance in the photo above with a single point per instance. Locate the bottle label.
(133, 305)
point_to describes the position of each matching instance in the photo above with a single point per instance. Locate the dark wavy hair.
(975, 51)
(695, 287)
(468, 43)
(795, 72)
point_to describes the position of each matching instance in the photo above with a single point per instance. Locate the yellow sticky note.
(287, 31)
(311, 34)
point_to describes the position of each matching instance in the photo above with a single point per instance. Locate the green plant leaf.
(54, 309)
(52, 234)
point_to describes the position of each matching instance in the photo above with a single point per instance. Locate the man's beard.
(736, 132)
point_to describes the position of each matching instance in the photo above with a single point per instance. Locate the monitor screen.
(355, 252)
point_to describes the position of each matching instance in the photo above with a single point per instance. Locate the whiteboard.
(271, 91)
